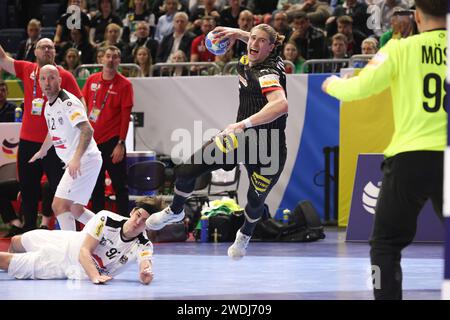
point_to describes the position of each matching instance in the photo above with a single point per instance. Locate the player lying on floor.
(107, 243)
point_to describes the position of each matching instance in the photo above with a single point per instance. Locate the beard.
(44, 60)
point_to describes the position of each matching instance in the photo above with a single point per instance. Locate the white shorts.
(80, 190)
(50, 255)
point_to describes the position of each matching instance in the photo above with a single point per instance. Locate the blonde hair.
(34, 23)
(371, 40)
(274, 37)
(339, 37)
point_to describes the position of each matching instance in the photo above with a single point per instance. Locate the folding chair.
(225, 183)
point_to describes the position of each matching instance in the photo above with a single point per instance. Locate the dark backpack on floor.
(304, 226)
(223, 227)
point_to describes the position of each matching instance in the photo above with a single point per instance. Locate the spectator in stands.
(262, 7)
(387, 9)
(143, 39)
(339, 44)
(6, 108)
(109, 98)
(369, 46)
(71, 60)
(230, 15)
(285, 5)
(160, 8)
(403, 26)
(354, 9)
(104, 15)
(281, 25)
(79, 41)
(26, 47)
(99, 53)
(310, 41)
(318, 12)
(291, 53)
(139, 12)
(62, 34)
(164, 26)
(223, 59)
(199, 53)
(180, 39)
(177, 57)
(354, 36)
(143, 58)
(245, 23)
(198, 12)
(112, 38)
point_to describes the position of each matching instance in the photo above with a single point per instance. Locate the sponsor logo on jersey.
(260, 183)
(144, 254)
(244, 60)
(123, 259)
(99, 228)
(74, 115)
(269, 80)
(58, 143)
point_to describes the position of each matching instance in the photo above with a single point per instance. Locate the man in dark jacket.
(310, 41)
(180, 39)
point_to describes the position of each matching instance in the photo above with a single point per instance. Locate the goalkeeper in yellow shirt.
(415, 69)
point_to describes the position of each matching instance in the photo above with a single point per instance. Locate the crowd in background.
(153, 31)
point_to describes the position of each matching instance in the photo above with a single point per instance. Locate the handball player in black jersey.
(257, 139)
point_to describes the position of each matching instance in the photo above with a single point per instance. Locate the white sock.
(85, 216)
(66, 221)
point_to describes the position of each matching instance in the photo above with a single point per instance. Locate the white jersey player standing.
(107, 244)
(70, 132)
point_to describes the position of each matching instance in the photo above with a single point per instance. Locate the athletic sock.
(85, 216)
(66, 221)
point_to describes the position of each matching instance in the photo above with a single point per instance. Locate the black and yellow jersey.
(255, 82)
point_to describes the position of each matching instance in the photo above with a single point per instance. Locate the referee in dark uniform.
(258, 134)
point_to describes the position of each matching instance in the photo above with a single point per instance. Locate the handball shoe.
(238, 249)
(160, 219)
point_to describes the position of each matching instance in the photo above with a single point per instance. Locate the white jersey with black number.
(63, 116)
(114, 252)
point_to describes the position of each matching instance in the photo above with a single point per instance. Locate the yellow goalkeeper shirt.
(415, 69)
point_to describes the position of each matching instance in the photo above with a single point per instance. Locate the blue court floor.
(323, 270)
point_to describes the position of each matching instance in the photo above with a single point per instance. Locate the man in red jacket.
(109, 97)
(34, 128)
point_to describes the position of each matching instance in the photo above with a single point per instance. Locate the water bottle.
(286, 214)
(204, 229)
(18, 114)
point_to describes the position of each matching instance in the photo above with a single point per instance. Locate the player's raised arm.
(232, 33)
(6, 62)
